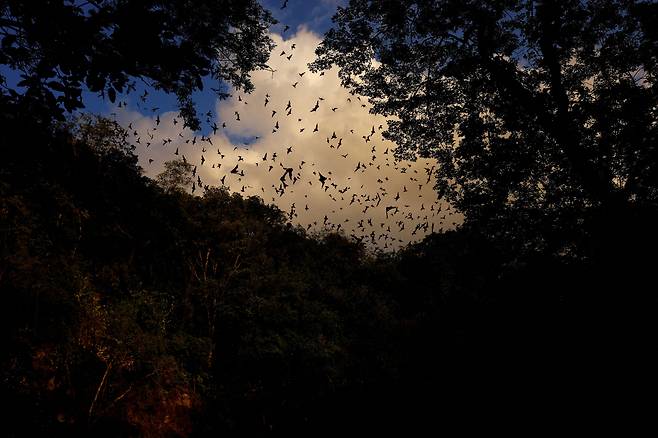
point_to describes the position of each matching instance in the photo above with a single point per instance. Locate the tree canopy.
(177, 175)
(61, 47)
(538, 112)
(158, 313)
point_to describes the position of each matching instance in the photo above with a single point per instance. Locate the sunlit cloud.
(367, 193)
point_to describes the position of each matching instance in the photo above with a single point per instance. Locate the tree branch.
(98, 390)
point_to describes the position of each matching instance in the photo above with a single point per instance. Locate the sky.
(281, 157)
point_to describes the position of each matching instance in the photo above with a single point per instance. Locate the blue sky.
(314, 14)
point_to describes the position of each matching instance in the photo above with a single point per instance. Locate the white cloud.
(350, 122)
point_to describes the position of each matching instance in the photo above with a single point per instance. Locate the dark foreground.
(129, 310)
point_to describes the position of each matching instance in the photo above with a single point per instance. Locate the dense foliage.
(61, 48)
(541, 114)
(135, 309)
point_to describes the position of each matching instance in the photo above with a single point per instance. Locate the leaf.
(111, 94)
(8, 41)
(57, 86)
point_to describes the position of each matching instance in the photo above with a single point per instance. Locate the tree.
(101, 134)
(541, 114)
(61, 47)
(176, 176)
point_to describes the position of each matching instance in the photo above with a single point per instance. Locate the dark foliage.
(62, 47)
(542, 117)
(134, 310)
(541, 114)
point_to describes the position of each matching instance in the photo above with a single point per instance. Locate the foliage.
(541, 114)
(60, 48)
(132, 310)
(155, 310)
(176, 176)
(101, 134)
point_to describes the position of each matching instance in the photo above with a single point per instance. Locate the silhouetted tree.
(61, 47)
(133, 309)
(176, 176)
(541, 114)
(101, 134)
(542, 118)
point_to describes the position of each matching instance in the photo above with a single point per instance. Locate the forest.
(133, 307)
